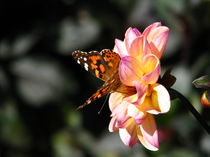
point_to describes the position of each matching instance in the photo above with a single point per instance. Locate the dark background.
(41, 85)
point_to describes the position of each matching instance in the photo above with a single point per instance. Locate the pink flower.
(132, 115)
(133, 124)
(140, 53)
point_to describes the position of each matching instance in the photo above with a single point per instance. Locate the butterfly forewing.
(111, 60)
(101, 65)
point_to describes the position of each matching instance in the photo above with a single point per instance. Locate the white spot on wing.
(86, 66)
(78, 61)
(85, 59)
(88, 101)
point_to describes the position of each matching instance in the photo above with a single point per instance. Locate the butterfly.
(103, 65)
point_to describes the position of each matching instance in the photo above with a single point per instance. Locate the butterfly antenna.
(99, 112)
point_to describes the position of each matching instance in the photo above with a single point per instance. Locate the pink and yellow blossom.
(133, 115)
(140, 53)
(133, 124)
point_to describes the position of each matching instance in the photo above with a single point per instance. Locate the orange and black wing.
(103, 65)
(100, 64)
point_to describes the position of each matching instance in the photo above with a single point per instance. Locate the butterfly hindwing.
(109, 86)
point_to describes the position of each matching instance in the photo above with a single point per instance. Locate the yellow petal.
(151, 69)
(157, 101)
(161, 98)
(129, 70)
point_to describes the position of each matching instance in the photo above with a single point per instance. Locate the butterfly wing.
(111, 60)
(101, 65)
(109, 86)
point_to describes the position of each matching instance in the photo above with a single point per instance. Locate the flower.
(133, 115)
(203, 82)
(140, 53)
(205, 99)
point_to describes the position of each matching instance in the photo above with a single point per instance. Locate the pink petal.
(130, 35)
(136, 31)
(148, 135)
(113, 125)
(132, 98)
(129, 70)
(120, 48)
(141, 91)
(160, 99)
(129, 135)
(136, 113)
(154, 50)
(145, 143)
(120, 112)
(151, 27)
(115, 99)
(158, 38)
(147, 48)
(151, 68)
(115, 49)
(137, 47)
(154, 33)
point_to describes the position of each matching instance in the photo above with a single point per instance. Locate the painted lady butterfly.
(104, 65)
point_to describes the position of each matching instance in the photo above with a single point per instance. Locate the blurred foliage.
(41, 85)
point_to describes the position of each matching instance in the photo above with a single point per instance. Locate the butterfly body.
(104, 65)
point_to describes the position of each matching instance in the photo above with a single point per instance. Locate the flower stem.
(190, 107)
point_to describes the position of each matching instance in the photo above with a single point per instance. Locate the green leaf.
(202, 82)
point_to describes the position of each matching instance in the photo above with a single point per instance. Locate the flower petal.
(205, 99)
(129, 70)
(151, 27)
(130, 35)
(141, 91)
(156, 32)
(120, 112)
(145, 143)
(113, 125)
(157, 101)
(129, 135)
(132, 98)
(157, 39)
(148, 134)
(160, 99)
(120, 48)
(151, 68)
(137, 47)
(115, 99)
(136, 113)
